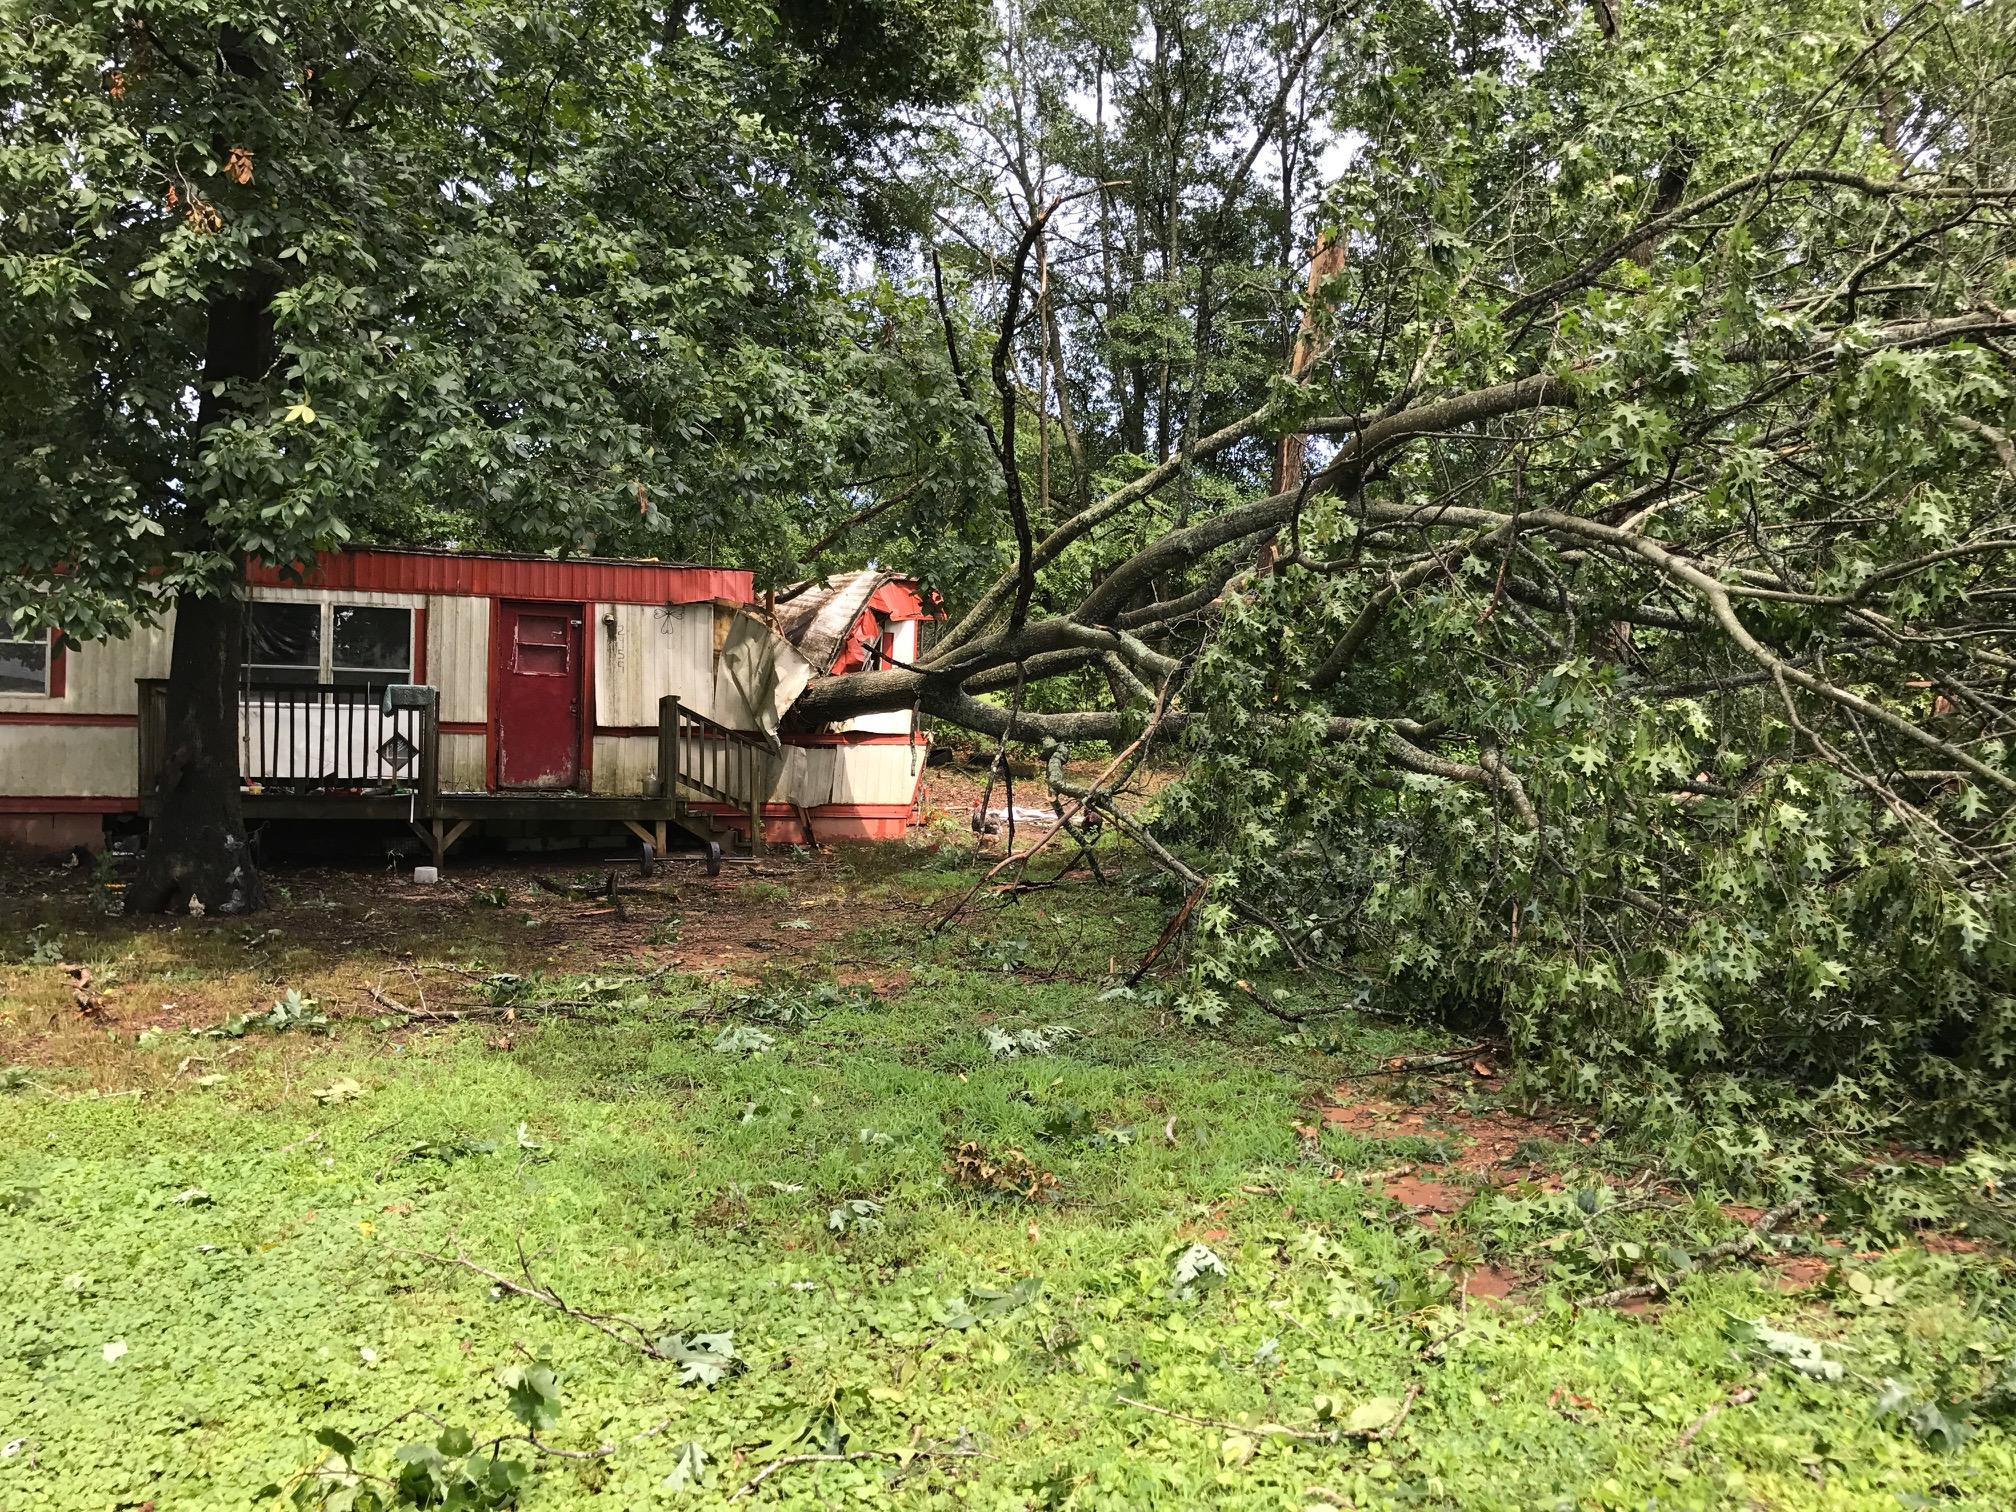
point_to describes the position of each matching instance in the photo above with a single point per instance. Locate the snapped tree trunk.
(196, 849)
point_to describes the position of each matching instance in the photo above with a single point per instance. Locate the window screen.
(24, 664)
(371, 647)
(283, 644)
(540, 646)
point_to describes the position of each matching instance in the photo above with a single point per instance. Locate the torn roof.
(821, 622)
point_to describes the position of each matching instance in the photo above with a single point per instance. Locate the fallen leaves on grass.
(1007, 1174)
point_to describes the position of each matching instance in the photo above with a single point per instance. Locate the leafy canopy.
(536, 276)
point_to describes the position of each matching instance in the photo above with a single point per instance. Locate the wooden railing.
(315, 739)
(697, 754)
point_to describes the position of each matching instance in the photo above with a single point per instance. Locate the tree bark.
(196, 848)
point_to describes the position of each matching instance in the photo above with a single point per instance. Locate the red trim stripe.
(464, 727)
(64, 805)
(822, 738)
(818, 810)
(857, 738)
(584, 770)
(378, 570)
(64, 717)
(496, 675)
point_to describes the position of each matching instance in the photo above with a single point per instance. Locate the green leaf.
(706, 1360)
(1197, 1267)
(1807, 1356)
(533, 1394)
(689, 1471)
(1372, 1415)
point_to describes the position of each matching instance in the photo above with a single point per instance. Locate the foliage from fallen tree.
(1624, 657)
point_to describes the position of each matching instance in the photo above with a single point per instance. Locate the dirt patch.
(1492, 1145)
(1791, 1273)
(953, 792)
(331, 932)
(1429, 1199)
(1951, 1244)
(1490, 1283)
(748, 922)
(46, 1025)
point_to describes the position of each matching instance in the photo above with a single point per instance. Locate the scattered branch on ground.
(1749, 1242)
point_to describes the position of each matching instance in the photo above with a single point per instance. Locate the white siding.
(88, 760)
(338, 596)
(99, 676)
(462, 763)
(876, 773)
(643, 651)
(625, 764)
(808, 775)
(68, 761)
(654, 650)
(458, 661)
(888, 722)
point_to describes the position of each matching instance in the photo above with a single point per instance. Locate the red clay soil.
(750, 921)
(1429, 1199)
(1951, 1244)
(1489, 1283)
(1481, 1144)
(1791, 1273)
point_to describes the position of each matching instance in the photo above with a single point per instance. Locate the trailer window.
(24, 664)
(371, 646)
(283, 644)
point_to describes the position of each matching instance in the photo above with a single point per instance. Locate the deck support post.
(430, 756)
(668, 749)
(439, 836)
(759, 785)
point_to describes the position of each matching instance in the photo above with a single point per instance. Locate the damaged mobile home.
(517, 697)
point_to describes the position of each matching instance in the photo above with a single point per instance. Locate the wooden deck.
(318, 753)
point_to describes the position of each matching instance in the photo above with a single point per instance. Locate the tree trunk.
(196, 848)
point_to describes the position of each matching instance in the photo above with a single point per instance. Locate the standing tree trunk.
(196, 849)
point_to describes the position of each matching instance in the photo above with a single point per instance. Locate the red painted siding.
(784, 824)
(855, 738)
(376, 570)
(62, 717)
(55, 804)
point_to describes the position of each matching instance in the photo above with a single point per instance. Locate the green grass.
(645, 1173)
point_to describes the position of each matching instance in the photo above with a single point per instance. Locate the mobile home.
(462, 692)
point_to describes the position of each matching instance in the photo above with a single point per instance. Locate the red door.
(538, 710)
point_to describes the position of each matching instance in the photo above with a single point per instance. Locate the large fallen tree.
(1626, 655)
